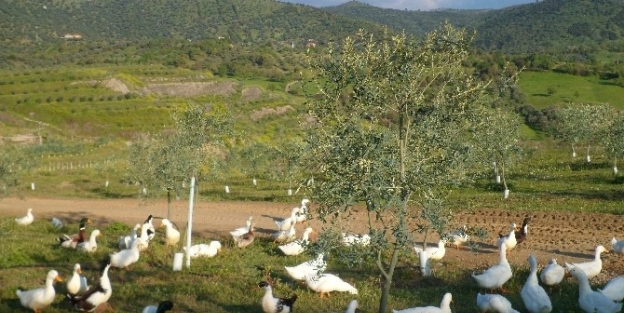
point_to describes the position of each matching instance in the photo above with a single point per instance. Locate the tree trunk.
(169, 203)
(588, 158)
(387, 279)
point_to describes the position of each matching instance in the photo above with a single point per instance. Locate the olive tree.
(165, 160)
(397, 123)
(12, 160)
(612, 138)
(582, 124)
(500, 136)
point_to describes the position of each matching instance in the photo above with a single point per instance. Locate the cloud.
(422, 4)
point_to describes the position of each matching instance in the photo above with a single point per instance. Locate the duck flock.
(313, 272)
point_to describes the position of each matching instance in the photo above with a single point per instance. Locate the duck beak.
(89, 221)
(100, 234)
(79, 271)
(58, 279)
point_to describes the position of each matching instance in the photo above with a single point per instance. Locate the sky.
(423, 5)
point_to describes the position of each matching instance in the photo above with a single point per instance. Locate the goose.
(126, 241)
(458, 237)
(148, 223)
(26, 220)
(298, 246)
(497, 275)
(310, 267)
(242, 230)
(434, 253)
(494, 303)
(361, 240)
(207, 250)
(302, 214)
(592, 301)
(535, 298)
(326, 283)
(126, 257)
(172, 235)
(614, 289)
(591, 268)
(445, 307)
(97, 295)
(72, 241)
(57, 223)
(552, 274)
(246, 239)
(91, 245)
(508, 240)
(522, 233)
(618, 246)
(39, 298)
(285, 223)
(77, 284)
(271, 304)
(162, 307)
(285, 235)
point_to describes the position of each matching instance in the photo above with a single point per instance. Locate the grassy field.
(227, 282)
(545, 89)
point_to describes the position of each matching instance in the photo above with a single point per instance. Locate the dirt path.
(569, 237)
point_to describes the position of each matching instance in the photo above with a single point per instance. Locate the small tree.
(612, 138)
(13, 160)
(397, 121)
(583, 123)
(165, 160)
(286, 156)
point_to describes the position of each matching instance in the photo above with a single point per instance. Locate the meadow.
(86, 128)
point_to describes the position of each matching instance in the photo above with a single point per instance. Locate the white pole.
(189, 226)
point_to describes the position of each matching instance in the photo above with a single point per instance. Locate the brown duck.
(521, 234)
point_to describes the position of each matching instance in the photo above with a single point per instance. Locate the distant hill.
(544, 26)
(237, 20)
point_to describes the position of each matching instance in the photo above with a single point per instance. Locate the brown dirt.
(568, 237)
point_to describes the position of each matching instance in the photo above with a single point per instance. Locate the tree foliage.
(397, 125)
(583, 124)
(164, 161)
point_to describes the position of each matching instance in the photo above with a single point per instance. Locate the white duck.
(614, 289)
(302, 215)
(39, 298)
(618, 246)
(162, 307)
(591, 268)
(286, 223)
(508, 240)
(326, 283)
(143, 239)
(310, 267)
(552, 274)
(535, 298)
(458, 237)
(271, 304)
(434, 253)
(149, 225)
(242, 230)
(445, 307)
(207, 250)
(172, 235)
(97, 295)
(593, 301)
(298, 246)
(497, 275)
(494, 303)
(57, 223)
(126, 257)
(91, 245)
(126, 241)
(26, 220)
(77, 284)
(350, 240)
(285, 235)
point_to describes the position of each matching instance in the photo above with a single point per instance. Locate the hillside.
(237, 20)
(553, 26)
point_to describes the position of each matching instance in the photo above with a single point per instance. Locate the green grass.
(568, 88)
(228, 282)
